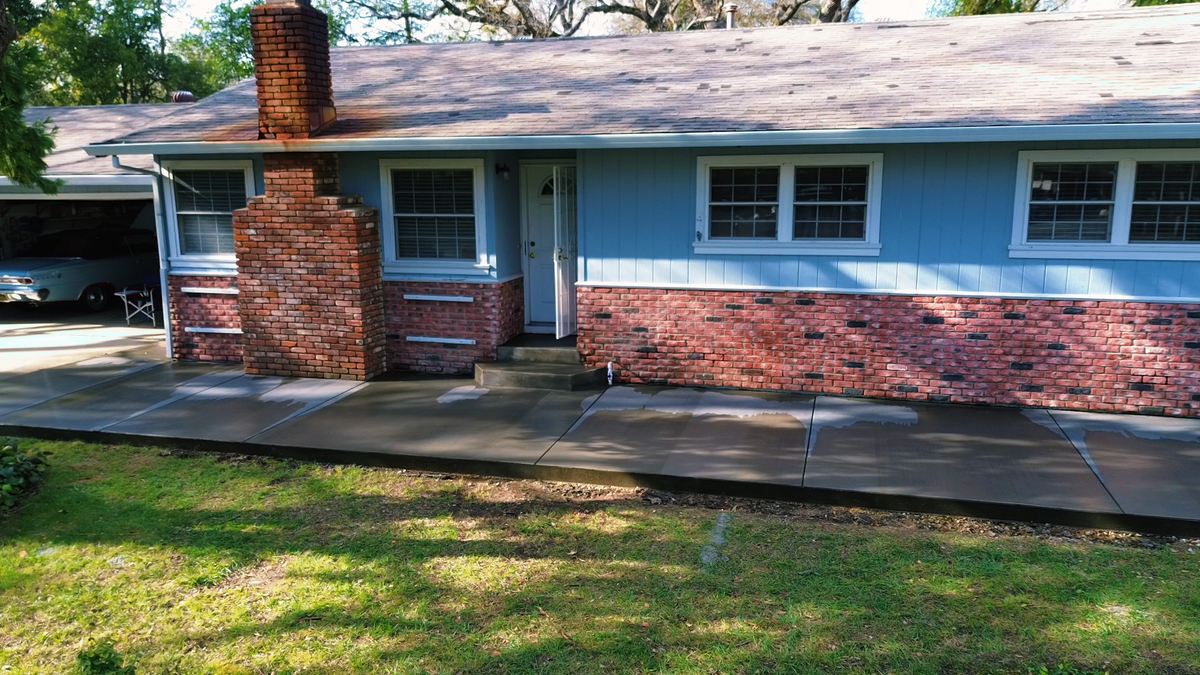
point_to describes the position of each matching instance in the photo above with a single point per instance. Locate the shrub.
(101, 658)
(20, 471)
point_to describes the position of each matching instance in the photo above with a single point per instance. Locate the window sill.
(771, 247)
(201, 266)
(437, 267)
(1163, 252)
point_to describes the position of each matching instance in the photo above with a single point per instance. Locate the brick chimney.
(310, 277)
(291, 62)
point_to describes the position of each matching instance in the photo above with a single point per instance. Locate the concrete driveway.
(33, 339)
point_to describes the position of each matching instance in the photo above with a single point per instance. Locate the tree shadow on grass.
(437, 580)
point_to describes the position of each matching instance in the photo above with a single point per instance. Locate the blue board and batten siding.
(945, 227)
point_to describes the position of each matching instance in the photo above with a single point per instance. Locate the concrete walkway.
(57, 334)
(1127, 472)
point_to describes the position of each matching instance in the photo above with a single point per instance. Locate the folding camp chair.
(141, 300)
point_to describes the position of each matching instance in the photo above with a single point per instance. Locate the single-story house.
(1000, 209)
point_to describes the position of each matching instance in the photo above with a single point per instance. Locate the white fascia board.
(121, 180)
(1047, 132)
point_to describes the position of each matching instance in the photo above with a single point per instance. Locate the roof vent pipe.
(730, 9)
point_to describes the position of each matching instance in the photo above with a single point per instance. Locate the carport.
(102, 212)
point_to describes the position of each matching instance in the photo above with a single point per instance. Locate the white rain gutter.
(160, 228)
(91, 181)
(1047, 132)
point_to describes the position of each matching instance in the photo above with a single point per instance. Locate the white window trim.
(192, 263)
(1119, 247)
(784, 244)
(394, 265)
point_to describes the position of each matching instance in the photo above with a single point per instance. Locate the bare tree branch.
(836, 11)
(564, 18)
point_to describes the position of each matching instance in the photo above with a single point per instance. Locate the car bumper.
(23, 294)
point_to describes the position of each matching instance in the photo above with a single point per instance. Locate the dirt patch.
(486, 496)
(262, 576)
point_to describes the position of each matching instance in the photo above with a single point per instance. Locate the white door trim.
(523, 186)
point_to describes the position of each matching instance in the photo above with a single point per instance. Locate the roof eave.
(92, 180)
(1048, 132)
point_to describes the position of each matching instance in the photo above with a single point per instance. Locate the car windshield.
(86, 245)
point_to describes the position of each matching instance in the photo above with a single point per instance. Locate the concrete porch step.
(534, 375)
(538, 354)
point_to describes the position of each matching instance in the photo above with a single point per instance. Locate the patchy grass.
(204, 564)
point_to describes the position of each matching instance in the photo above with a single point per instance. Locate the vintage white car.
(87, 266)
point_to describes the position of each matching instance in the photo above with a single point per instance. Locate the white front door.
(540, 248)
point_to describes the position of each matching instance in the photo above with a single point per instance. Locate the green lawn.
(206, 565)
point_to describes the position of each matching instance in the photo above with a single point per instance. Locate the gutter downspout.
(160, 230)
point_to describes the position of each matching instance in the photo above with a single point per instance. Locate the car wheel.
(96, 298)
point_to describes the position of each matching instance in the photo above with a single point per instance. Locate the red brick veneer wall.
(496, 316)
(1102, 356)
(310, 274)
(202, 310)
(291, 67)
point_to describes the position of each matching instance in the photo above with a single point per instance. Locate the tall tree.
(220, 43)
(108, 51)
(23, 147)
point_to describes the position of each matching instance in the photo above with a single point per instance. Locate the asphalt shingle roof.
(79, 126)
(1112, 67)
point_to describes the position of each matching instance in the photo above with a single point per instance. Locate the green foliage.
(23, 147)
(112, 51)
(977, 7)
(222, 44)
(101, 658)
(24, 14)
(219, 46)
(19, 471)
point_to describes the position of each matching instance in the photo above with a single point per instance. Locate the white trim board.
(148, 195)
(214, 331)
(1031, 133)
(439, 340)
(201, 290)
(440, 298)
(183, 271)
(114, 180)
(888, 291)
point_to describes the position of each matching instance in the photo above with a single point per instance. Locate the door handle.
(532, 255)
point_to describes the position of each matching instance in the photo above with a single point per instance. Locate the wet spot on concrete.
(697, 403)
(464, 393)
